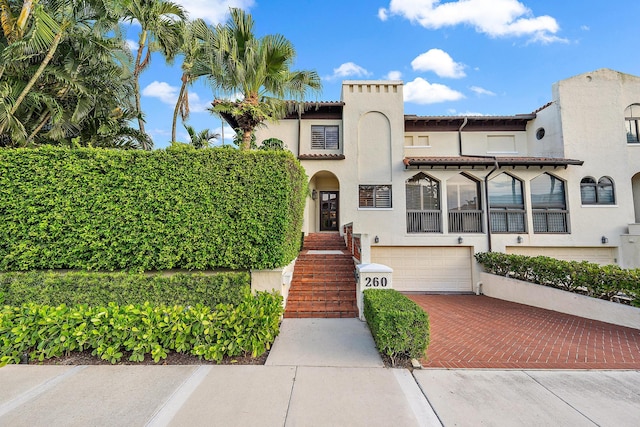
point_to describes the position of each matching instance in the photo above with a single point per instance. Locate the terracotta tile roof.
(321, 157)
(480, 161)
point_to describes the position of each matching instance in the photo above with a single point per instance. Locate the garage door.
(601, 256)
(427, 269)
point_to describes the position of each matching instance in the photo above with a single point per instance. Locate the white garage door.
(602, 256)
(427, 269)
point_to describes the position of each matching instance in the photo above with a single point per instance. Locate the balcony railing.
(508, 221)
(424, 221)
(550, 221)
(468, 221)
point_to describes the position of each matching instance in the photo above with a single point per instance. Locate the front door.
(328, 211)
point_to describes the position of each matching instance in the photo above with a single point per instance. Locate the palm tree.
(160, 32)
(196, 38)
(259, 69)
(201, 139)
(58, 61)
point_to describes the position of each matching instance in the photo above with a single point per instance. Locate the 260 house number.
(375, 282)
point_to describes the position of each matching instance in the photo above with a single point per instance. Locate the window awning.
(480, 162)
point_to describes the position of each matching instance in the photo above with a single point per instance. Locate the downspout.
(299, 127)
(464, 123)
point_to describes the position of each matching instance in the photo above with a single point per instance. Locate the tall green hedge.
(98, 209)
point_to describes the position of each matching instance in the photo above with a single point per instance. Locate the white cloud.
(439, 62)
(393, 75)
(421, 91)
(496, 18)
(585, 28)
(383, 15)
(166, 93)
(133, 45)
(213, 11)
(348, 69)
(196, 105)
(481, 91)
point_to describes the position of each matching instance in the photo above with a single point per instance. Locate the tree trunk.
(175, 110)
(246, 140)
(136, 81)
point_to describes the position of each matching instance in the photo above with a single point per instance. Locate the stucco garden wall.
(558, 300)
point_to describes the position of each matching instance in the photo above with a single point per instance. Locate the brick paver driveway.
(469, 331)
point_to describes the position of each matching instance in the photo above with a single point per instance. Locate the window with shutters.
(600, 193)
(375, 196)
(325, 138)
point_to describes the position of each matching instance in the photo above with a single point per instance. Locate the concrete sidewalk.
(299, 388)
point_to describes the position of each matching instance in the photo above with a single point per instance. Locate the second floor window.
(325, 138)
(506, 204)
(375, 196)
(600, 193)
(632, 123)
(549, 205)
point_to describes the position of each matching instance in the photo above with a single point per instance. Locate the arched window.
(605, 193)
(588, 193)
(423, 204)
(548, 202)
(506, 204)
(463, 199)
(632, 123)
(600, 193)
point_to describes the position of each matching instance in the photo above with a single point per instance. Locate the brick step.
(321, 314)
(321, 287)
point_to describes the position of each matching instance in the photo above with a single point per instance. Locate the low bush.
(91, 288)
(608, 282)
(44, 331)
(399, 326)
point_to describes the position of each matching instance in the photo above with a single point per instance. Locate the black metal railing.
(550, 221)
(467, 221)
(424, 221)
(508, 220)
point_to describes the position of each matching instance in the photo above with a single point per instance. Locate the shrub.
(44, 331)
(605, 282)
(92, 288)
(399, 326)
(96, 209)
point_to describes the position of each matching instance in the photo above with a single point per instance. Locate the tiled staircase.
(323, 283)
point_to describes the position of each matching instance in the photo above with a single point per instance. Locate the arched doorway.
(635, 185)
(324, 208)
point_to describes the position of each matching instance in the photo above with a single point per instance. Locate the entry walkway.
(469, 331)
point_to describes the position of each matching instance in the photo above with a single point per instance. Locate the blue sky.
(485, 57)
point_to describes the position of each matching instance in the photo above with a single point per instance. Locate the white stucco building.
(423, 194)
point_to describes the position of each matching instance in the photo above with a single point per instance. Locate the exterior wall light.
(314, 194)
(604, 240)
(519, 239)
(460, 240)
(376, 240)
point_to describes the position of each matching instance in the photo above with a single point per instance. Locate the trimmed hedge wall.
(604, 282)
(95, 209)
(399, 326)
(93, 288)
